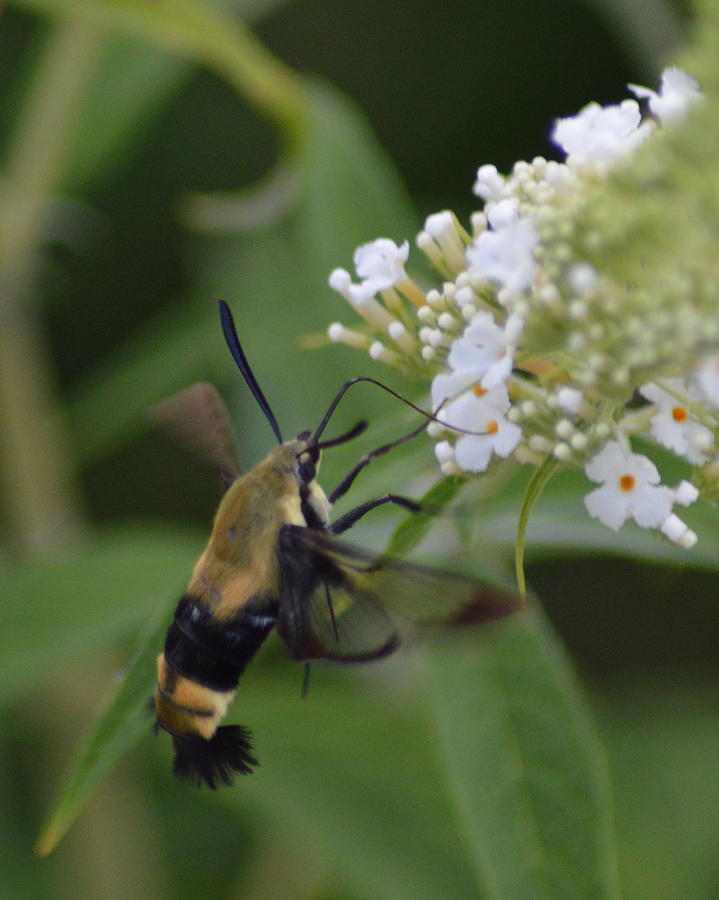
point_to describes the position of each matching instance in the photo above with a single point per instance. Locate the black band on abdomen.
(214, 653)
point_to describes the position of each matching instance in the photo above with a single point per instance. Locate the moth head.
(308, 458)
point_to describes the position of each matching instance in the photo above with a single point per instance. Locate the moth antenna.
(347, 385)
(238, 354)
(227, 753)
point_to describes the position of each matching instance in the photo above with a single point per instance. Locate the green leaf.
(348, 746)
(122, 723)
(350, 773)
(65, 608)
(174, 349)
(524, 766)
(131, 84)
(410, 532)
(351, 191)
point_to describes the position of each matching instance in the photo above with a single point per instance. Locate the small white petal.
(601, 134)
(340, 281)
(678, 91)
(674, 528)
(506, 257)
(651, 507)
(570, 400)
(444, 451)
(489, 183)
(504, 213)
(438, 224)
(685, 493)
(602, 505)
(485, 351)
(448, 386)
(473, 453)
(507, 437)
(380, 263)
(672, 425)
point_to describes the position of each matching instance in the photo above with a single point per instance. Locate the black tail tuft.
(227, 753)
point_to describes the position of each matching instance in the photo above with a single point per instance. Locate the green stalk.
(36, 470)
(535, 487)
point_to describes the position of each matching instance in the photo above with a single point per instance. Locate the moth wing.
(341, 602)
(197, 417)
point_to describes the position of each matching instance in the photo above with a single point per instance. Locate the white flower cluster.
(530, 349)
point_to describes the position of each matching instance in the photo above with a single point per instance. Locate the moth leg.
(306, 681)
(348, 519)
(349, 478)
(332, 611)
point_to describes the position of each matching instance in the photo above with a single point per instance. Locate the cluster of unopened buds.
(531, 351)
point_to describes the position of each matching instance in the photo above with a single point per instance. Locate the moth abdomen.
(198, 672)
(228, 752)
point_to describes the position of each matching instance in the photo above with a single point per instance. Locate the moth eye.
(307, 460)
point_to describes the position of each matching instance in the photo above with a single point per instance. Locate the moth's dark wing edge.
(376, 600)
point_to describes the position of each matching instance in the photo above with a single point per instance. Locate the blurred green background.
(124, 180)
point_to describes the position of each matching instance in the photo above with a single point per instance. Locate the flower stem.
(535, 487)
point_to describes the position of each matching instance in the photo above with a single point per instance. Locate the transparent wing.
(340, 602)
(198, 418)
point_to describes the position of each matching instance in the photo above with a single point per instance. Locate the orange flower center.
(679, 413)
(627, 482)
(479, 390)
(492, 427)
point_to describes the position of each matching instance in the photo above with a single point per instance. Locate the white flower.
(448, 385)
(484, 353)
(672, 426)
(441, 225)
(676, 95)
(685, 493)
(506, 256)
(380, 264)
(340, 281)
(444, 452)
(673, 527)
(679, 532)
(361, 298)
(489, 183)
(481, 412)
(441, 239)
(601, 134)
(558, 175)
(503, 213)
(570, 400)
(630, 489)
(582, 278)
